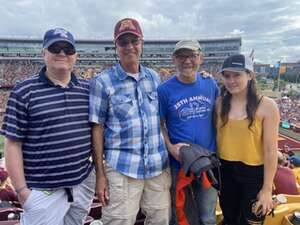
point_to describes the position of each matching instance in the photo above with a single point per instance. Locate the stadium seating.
(6, 213)
(9, 222)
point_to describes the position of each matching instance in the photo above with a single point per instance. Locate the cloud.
(237, 32)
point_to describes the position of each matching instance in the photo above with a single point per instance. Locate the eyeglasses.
(182, 57)
(56, 49)
(123, 42)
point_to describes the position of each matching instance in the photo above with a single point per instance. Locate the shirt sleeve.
(217, 88)
(15, 120)
(98, 102)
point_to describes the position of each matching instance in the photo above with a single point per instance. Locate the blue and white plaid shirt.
(128, 109)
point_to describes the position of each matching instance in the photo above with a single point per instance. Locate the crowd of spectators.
(14, 71)
(289, 111)
(88, 72)
(3, 99)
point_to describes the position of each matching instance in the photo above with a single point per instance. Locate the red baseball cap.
(128, 25)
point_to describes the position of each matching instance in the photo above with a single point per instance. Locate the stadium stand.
(20, 58)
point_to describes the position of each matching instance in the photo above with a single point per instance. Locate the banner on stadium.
(282, 69)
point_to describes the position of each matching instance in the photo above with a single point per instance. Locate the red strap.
(181, 182)
(205, 181)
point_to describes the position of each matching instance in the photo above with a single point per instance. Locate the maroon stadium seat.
(10, 222)
(95, 210)
(87, 221)
(4, 212)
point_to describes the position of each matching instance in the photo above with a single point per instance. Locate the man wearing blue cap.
(48, 138)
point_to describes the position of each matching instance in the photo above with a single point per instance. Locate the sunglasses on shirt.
(56, 49)
(123, 42)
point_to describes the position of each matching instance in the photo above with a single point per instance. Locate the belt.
(69, 192)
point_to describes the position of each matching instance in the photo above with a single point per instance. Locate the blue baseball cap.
(57, 34)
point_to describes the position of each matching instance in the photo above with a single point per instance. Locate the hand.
(102, 189)
(265, 202)
(174, 150)
(23, 195)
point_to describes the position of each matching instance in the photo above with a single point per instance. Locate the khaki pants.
(127, 195)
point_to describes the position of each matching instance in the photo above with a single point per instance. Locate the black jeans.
(240, 186)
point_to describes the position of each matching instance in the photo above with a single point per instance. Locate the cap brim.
(128, 32)
(57, 40)
(233, 69)
(188, 48)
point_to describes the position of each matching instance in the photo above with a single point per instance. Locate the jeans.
(206, 200)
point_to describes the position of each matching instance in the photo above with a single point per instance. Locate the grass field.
(289, 133)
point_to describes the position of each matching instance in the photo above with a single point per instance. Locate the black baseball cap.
(237, 63)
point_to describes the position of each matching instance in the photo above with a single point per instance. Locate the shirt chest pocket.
(123, 106)
(153, 101)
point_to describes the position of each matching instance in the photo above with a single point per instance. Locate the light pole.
(278, 79)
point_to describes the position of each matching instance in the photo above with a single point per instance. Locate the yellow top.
(236, 142)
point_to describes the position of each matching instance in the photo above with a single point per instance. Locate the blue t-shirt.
(188, 110)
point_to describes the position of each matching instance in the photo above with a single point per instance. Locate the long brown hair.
(252, 101)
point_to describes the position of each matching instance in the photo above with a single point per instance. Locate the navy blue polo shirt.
(52, 124)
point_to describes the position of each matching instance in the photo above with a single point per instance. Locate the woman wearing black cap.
(247, 130)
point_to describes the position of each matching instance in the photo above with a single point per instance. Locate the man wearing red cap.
(126, 131)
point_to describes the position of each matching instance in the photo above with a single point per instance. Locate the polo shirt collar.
(43, 78)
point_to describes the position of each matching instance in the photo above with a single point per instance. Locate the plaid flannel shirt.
(128, 109)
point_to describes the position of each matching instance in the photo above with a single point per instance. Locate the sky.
(270, 27)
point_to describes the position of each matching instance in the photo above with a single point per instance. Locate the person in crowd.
(48, 138)
(247, 131)
(126, 133)
(295, 160)
(7, 192)
(284, 180)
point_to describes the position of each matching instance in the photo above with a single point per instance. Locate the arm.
(101, 180)
(172, 149)
(98, 105)
(217, 111)
(14, 165)
(270, 135)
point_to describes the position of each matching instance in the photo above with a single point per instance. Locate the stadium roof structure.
(156, 52)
